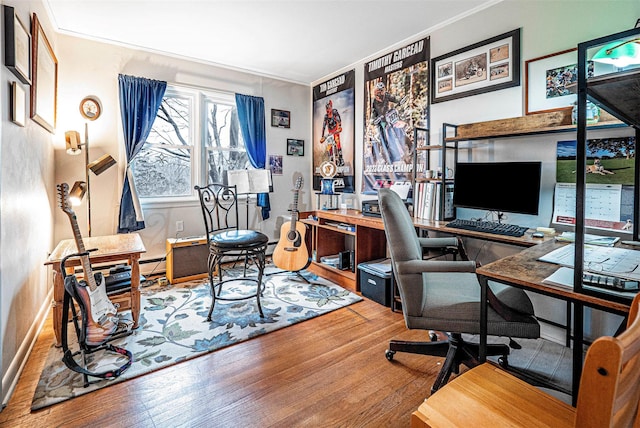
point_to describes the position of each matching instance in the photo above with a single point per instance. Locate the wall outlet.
(179, 226)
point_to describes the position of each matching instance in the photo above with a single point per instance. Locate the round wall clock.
(90, 108)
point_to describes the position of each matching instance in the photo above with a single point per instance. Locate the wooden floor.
(326, 372)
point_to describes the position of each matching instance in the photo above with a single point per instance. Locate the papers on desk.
(562, 277)
(607, 241)
(611, 261)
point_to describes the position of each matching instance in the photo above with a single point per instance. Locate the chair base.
(456, 351)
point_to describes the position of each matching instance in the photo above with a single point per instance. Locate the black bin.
(376, 281)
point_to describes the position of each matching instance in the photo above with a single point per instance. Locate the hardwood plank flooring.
(326, 372)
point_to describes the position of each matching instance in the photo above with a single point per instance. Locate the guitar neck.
(294, 210)
(84, 260)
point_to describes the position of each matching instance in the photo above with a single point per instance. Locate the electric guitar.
(291, 252)
(100, 322)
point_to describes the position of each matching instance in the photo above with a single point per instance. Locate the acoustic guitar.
(100, 321)
(291, 252)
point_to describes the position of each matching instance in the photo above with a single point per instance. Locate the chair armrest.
(420, 266)
(451, 243)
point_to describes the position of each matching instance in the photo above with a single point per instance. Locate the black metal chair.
(225, 239)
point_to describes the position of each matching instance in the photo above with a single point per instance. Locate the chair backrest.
(404, 246)
(610, 383)
(219, 204)
(399, 229)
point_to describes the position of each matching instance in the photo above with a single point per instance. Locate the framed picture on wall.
(17, 46)
(44, 87)
(275, 164)
(485, 66)
(280, 118)
(295, 147)
(18, 104)
(550, 81)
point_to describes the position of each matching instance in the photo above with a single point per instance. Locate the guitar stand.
(124, 328)
(296, 272)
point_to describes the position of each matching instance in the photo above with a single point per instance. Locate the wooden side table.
(111, 248)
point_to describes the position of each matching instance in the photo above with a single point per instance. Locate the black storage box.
(376, 284)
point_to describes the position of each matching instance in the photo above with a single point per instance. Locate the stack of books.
(429, 199)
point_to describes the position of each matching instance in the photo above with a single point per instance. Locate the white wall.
(92, 68)
(27, 201)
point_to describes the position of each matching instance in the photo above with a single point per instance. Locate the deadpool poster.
(396, 97)
(333, 129)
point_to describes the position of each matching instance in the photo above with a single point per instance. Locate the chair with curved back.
(444, 295)
(225, 239)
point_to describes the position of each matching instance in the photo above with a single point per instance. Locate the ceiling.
(299, 41)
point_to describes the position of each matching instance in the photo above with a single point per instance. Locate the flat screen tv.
(512, 187)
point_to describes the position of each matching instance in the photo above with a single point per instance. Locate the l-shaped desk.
(522, 270)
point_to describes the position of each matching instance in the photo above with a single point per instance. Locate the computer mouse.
(537, 235)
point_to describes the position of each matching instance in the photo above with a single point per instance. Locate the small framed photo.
(295, 147)
(17, 46)
(280, 118)
(275, 164)
(18, 104)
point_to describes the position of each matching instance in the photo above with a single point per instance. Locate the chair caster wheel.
(389, 354)
(503, 361)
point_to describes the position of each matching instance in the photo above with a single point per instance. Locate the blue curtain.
(140, 100)
(251, 117)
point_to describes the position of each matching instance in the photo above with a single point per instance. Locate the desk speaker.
(186, 259)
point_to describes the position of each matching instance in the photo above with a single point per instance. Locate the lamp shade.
(77, 192)
(619, 54)
(102, 164)
(72, 139)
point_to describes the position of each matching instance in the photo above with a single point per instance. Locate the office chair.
(219, 205)
(442, 295)
(608, 396)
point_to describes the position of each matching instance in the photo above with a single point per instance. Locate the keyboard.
(488, 227)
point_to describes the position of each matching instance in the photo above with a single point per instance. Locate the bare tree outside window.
(224, 145)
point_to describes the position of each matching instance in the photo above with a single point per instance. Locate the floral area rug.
(173, 327)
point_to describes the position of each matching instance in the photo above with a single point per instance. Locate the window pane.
(223, 127)
(162, 171)
(172, 122)
(220, 161)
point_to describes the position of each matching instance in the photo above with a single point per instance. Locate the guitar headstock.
(63, 199)
(299, 181)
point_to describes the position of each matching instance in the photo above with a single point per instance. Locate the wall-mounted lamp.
(77, 193)
(619, 54)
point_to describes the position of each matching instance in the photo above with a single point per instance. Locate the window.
(195, 138)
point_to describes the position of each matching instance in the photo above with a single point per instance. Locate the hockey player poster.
(396, 97)
(333, 129)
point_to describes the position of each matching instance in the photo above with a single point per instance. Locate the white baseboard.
(10, 379)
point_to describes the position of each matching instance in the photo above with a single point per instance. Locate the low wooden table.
(111, 248)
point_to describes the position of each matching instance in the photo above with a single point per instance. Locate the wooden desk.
(112, 248)
(523, 270)
(369, 241)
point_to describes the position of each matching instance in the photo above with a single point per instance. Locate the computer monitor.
(512, 187)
